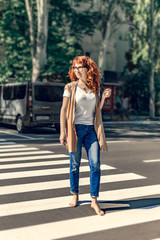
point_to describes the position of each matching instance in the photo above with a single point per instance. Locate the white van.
(31, 104)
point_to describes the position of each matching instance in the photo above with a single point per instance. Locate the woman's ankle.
(74, 200)
(94, 200)
(75, 195)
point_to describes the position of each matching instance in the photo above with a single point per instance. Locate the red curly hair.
(93, 74)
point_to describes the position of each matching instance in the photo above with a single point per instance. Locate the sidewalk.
(138, 120)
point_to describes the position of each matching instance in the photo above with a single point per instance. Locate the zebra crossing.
(44, 217)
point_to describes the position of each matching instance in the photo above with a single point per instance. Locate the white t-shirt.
(85, 106)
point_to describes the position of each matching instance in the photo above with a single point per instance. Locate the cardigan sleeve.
(66, 93)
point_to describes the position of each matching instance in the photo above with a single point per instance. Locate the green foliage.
(137, 70)
(157, 97)
(65, 28)
(137, 88)
(141, 32)
(14, 38)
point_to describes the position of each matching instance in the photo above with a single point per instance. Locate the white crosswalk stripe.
(44, 163)
(48, 172)
(12, 146)
(66, 183)
(6, 143)
(62, 202)
(74, 227)
(39, 164)
(19, 163)
(18, 149)
(23, 153)
(151, 161)
(37, 157)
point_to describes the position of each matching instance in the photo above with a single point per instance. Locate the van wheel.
(20, 125)
(57, 127)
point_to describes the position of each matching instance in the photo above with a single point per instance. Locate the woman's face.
(80, 71)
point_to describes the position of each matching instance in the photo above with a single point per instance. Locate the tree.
(66, 26)
(111, 13)
(151, 59)
(14, 40)
(39, 43)
(145, 40)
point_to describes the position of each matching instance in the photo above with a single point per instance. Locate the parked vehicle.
(31, 104)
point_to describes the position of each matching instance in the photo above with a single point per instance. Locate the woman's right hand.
(106, 93)
(62, 139)
(63, 135)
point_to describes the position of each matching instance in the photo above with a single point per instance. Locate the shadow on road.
(138, 131)
(132, 204)
(36, 130)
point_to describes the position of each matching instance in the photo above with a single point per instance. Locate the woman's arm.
(62, 137)
(106, 94)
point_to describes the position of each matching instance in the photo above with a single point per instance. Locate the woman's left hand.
(106, 93)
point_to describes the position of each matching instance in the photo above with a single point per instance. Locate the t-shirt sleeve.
(66, 93)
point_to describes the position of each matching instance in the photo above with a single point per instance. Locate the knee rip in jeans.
(95, 166)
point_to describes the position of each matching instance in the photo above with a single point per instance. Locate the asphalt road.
(34, 186)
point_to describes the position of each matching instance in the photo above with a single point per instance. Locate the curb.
(132, 122)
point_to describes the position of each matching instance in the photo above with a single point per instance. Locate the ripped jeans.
(87, 136)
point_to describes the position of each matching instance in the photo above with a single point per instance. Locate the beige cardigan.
(70, 126)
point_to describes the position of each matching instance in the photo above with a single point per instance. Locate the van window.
(7, 92)
(48, 93)
(19, 92)
(14, 92)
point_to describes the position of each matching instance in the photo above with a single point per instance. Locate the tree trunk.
(151, 56)
(103, 50)
(32, 33)
(108, 18)
(38, 46)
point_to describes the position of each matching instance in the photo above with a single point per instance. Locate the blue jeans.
(86, 136)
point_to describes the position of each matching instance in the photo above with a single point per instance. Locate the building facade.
(117, 47)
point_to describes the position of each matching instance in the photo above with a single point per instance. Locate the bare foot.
(74, 201)
(97, 209)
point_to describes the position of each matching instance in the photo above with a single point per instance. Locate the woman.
(81, 124)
